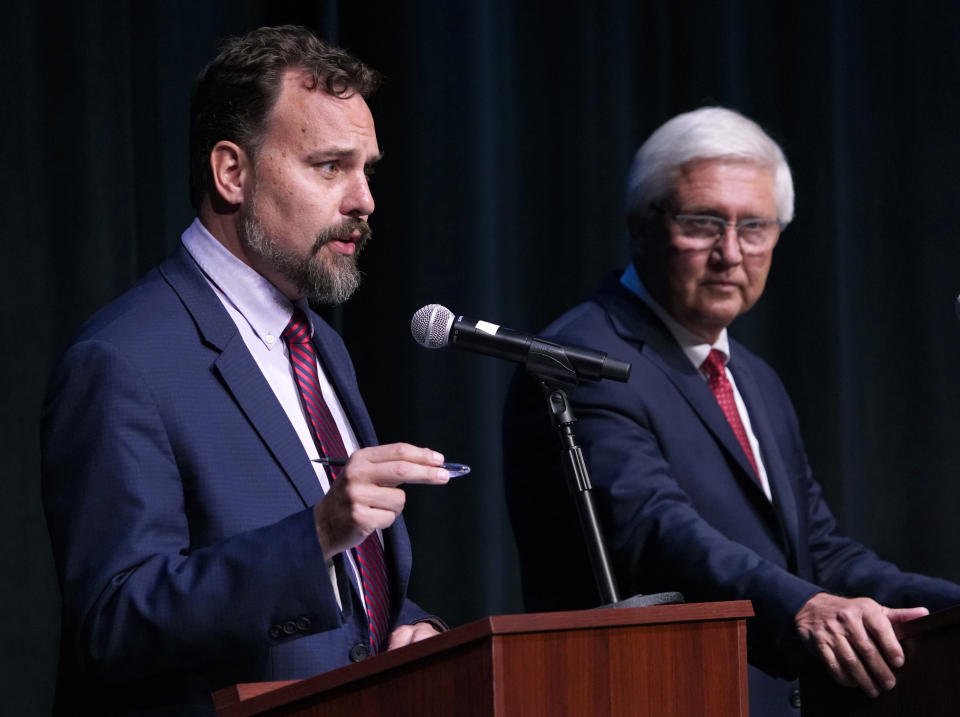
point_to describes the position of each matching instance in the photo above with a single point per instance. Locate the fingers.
(395, 464)
(408, 634)
(878, 623)
(361, 496)
(348, 513)
(871, 653)
(402, 452)
(854, 638)
(845, 664)
(396, 473)
(901, 615)
(366, 496)
(829, 654)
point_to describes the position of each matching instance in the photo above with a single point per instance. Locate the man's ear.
(232, 172)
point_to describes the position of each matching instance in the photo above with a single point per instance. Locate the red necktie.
(373, 569)
(713, 366)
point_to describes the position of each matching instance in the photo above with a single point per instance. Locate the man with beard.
(199, 537)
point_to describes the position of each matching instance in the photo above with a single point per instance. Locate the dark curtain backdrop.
(508, 128)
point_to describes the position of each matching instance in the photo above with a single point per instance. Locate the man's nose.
(358, 201)
(729, 246)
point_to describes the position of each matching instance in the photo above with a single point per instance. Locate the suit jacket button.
(795, 699)
(289, 628)
(359, 652)
(303, 624)
(276, 632)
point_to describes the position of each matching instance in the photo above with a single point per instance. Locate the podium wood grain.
(668, 660)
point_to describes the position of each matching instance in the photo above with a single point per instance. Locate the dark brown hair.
(236, 91)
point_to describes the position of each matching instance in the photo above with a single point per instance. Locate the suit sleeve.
(138, 599)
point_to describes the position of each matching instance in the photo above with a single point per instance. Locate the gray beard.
(330, 279)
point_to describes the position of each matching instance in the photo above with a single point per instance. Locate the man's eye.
(328, 167)
(752, 225)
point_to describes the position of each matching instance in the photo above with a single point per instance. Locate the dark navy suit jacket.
(178, 498)
(677, 497)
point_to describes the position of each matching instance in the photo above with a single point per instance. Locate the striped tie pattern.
(715, 368)
(373, 569)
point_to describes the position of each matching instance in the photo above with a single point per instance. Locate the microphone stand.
(578, 481)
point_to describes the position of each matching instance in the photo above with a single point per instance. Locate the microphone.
(434, 327)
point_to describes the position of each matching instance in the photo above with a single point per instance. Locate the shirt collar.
(695, 348)
(261, 304)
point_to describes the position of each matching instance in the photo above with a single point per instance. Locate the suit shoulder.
(152, 322)
(585, 319)
(150, 302)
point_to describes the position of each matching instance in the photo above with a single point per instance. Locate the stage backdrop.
(507, 129)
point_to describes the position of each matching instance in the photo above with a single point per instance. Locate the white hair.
(709, 133)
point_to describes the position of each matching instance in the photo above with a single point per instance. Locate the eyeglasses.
(703, 231)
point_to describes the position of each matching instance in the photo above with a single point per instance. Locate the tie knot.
(713, 364)
(298, 330)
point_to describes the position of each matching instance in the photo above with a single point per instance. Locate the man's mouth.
(345, 245)
(346, 240)
(721, 284)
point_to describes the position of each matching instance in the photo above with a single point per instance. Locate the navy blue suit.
(677, 497)
(178, 498)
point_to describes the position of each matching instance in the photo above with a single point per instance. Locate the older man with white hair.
(699, 468)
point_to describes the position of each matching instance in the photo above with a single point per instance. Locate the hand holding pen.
(367, 494)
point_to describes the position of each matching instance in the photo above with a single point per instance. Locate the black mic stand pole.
(578, 481)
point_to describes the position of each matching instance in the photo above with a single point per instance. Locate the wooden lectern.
(925, 683)
(666, 660)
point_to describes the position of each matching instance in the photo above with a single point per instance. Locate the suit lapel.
(701, 399)
(635, 321)
(241, 375)
(259, 404)
(783, 499)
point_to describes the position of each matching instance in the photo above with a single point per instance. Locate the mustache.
(343, 232)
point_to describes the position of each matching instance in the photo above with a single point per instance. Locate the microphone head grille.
(431, 325)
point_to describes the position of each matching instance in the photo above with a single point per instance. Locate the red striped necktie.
(373, 569)
(715, 368)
